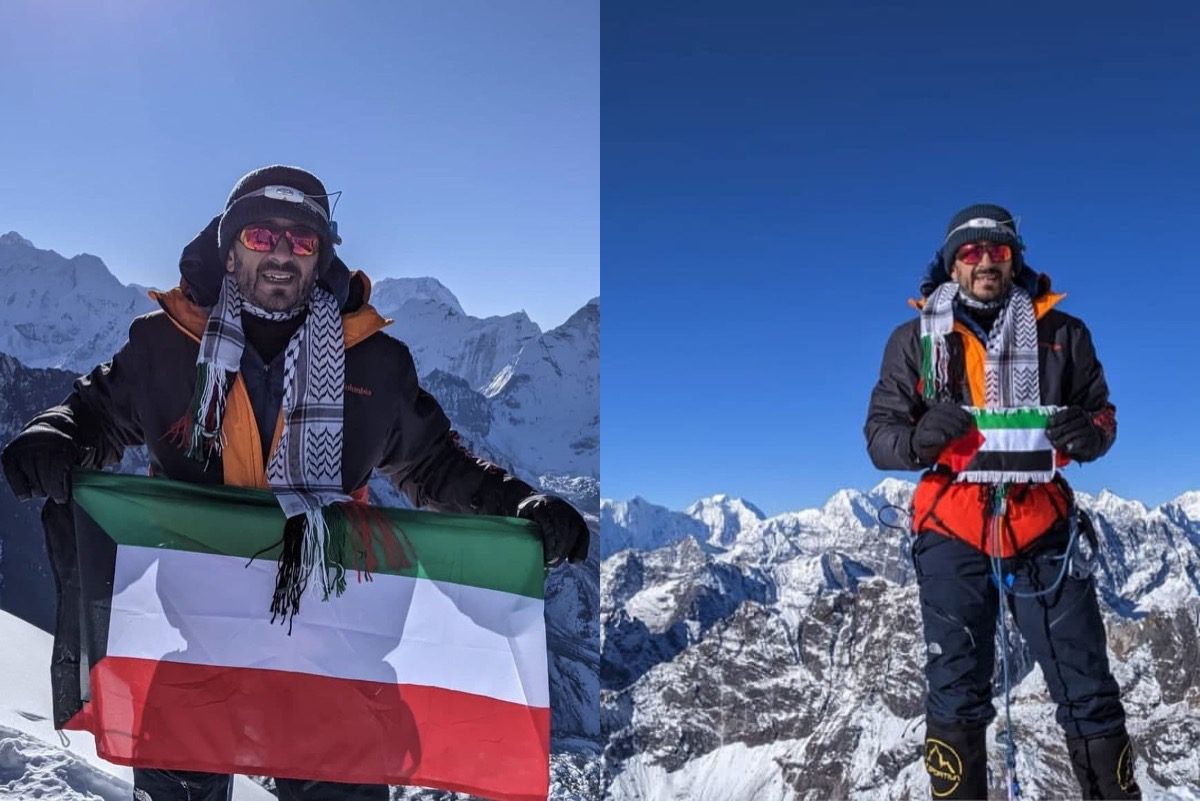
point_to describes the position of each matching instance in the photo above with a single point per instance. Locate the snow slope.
(34, 762)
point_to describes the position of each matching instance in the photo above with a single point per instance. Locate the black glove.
(564, 534)
(1072, 432)
(38, 464)
(941, 423)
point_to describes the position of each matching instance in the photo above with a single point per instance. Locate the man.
(268, 368)
(989, 335)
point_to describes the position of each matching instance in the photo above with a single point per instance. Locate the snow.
(637, 523)
(725, 517)
(552, 387)
(727, 773)
(34, 763)
(655, 605)
(1189, 504)
(393, 293)
(428, 317)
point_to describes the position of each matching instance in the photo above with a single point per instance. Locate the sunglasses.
(972, 253)
(264, 238)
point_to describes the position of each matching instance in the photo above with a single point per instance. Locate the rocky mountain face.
(525, 399)
(782, 658)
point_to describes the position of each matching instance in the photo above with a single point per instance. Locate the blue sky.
(776, 176)
(464, 135)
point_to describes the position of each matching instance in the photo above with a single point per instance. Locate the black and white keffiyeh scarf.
(1011, 364)
(305, 469)
(1009, 442)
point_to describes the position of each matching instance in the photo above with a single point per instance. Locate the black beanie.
(310, 207)
(982, 222)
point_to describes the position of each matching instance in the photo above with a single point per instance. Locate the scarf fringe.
(354, 517)
(1005, 476)
(291, 581)
(206, 415)
(310, 545)
(177, 434)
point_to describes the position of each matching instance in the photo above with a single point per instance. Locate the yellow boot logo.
(1125, 768)
(944, 766)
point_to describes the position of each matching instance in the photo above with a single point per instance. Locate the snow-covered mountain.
(540, 421)
(444, 337)
(552, 387)
(60, 312)
(641, 524)
(725, 517)
(784, 658)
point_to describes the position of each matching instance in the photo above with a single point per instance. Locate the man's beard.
(1001, 292)
(273, 297)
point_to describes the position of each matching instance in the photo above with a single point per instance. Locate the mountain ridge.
(801, 638)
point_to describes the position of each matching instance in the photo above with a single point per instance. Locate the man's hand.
(38, 464)
(564, 534)
(941, 423)
(1073, 432)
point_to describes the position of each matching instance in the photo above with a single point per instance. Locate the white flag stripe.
(213, 610)
(1015, 439)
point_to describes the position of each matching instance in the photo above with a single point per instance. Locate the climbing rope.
(1006, 585)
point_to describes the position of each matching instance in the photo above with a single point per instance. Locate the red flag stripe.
(276, 723)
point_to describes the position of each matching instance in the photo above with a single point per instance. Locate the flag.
(429, 669)
(1005, 446)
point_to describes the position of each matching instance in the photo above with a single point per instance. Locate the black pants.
(1064, 630)
(177, 785)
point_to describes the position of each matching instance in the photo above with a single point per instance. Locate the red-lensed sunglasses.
(972, 252)
(264, 238)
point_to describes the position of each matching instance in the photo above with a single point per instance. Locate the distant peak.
(393, 292)
(1189, 502)
(1189, 497)
(891, 485)
(725, 501)
(13, 238)
(844, 496)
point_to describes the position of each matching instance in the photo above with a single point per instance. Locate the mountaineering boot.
(1104, 766)
(956, 761)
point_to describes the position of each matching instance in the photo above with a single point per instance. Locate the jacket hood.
(202, 270)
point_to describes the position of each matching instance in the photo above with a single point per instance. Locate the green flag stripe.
(1017, 418)
(496, 553)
